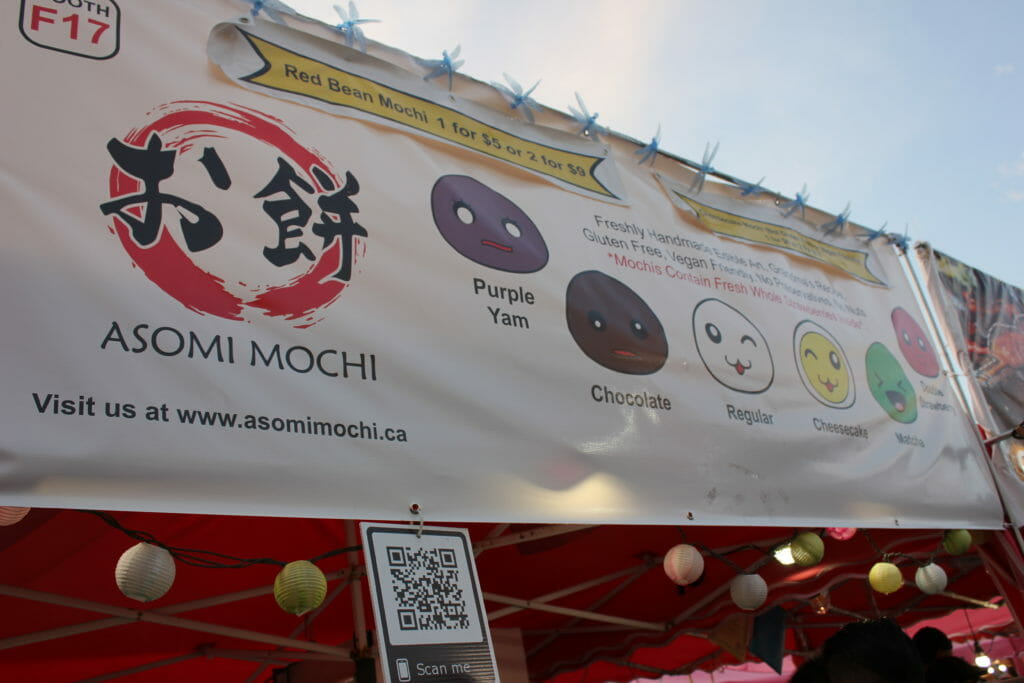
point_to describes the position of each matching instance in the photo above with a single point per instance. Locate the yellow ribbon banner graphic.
(288, 71)
(849, 261)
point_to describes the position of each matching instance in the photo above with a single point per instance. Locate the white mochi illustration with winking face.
(733, 350)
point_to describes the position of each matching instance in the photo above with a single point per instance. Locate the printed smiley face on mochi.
(485, 226)
(613, 325)
(822, 365)
(914, 344)
(889, 384)
(733, 350)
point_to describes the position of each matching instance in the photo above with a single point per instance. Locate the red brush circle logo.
(223, 209)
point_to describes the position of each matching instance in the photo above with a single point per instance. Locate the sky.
(913, 112)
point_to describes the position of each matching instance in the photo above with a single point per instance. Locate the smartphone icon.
(403, 669)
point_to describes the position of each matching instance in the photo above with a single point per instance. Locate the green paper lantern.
(300, 587)
(807, 549)
(957, 541)
(885, 577)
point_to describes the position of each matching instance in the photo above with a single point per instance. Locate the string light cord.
(886, 556)
(208, 559)
(723, 556)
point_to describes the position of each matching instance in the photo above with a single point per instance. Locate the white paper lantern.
(145, 572)
(931, 579)
(683, 564)
(748, 591)
(12, 515)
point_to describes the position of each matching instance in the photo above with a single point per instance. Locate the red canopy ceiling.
(634, 621)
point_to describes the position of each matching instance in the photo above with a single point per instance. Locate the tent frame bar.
(543, 599)
(100, 624)
(154, 617)
(142, 668)
(529, 535)
(583, 614)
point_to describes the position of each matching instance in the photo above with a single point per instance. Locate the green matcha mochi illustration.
(889, 384)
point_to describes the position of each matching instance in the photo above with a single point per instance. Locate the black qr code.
(427, 591)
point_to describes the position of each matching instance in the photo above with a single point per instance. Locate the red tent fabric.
(601, 606)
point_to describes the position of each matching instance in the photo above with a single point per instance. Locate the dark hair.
(930, 643)
(872, 652)
(811, 671)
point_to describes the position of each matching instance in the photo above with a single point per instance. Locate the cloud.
(1013, 168)
(1014, 195)
(1005, 69)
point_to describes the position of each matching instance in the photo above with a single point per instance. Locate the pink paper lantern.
(841, 533)
(12, 515)
(683, 564)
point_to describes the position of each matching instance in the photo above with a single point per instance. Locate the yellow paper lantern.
(12, 515)
(683, 564)
(748, 591)
(300, 587)
(957, 541)
(931, 579)
(144, 572)
(885, 577)
(807, 549)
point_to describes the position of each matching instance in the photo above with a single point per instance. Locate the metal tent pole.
(362, 653)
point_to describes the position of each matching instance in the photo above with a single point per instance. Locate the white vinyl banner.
(249, 270)
(983, 320)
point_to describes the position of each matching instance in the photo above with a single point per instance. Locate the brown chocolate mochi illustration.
(613, 325)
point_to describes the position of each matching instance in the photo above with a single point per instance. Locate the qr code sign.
(426, 588)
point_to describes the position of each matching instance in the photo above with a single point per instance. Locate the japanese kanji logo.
(224, 210)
